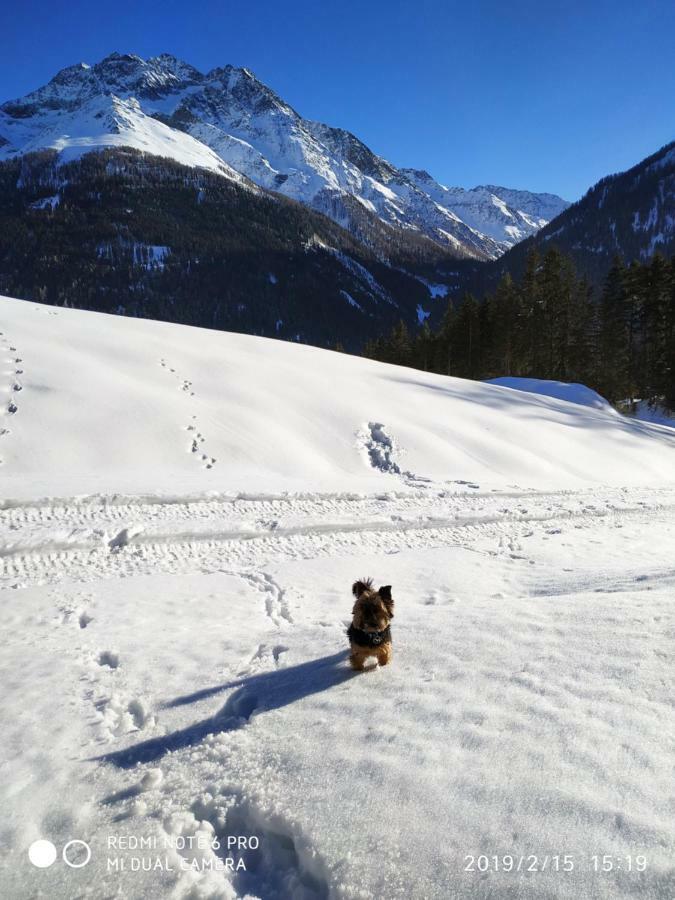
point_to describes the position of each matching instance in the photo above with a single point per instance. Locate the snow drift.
(560, 390)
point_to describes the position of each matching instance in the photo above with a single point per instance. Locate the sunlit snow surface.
(173, 655)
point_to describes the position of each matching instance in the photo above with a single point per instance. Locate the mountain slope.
(506, 216)
(108, 122)
(119, 231)
(279, 416)
(631, 214)
(242, 123)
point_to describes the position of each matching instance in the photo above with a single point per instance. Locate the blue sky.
(548, 96)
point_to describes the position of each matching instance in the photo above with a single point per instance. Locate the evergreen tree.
(466, 338)
(669, 386)
(503, 310)
(530, 348)
(656, 326)
(423, 348)
(614, 335)
(398, 348)
(444, 357)
(583, 335)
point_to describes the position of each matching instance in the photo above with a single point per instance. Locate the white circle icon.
(79, 863)
(42, 853)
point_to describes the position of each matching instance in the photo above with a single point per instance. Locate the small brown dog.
(369, 634)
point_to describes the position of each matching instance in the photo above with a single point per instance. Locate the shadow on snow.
(254, 694)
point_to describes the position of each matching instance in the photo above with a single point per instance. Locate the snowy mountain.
(507, 216)
(228, 120)
(182, 514)
(103, 122)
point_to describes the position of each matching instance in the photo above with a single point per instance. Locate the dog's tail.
(360, 586)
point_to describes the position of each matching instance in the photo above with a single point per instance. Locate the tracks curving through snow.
(90, 541)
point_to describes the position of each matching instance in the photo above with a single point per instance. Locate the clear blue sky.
(546, 95)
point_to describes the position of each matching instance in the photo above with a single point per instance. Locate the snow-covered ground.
(174, 660)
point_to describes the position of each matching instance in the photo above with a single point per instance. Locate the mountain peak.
(115, 56)
(418, 174)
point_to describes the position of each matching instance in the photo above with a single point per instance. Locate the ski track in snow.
(80, 542)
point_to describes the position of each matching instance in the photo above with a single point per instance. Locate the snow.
(149, 256)
(152, 256)
(162, 381)
(107, 122)
(502, 215)
(645, 412)
(173, 657)
(435, 290)
(422, 314)
(655, 240)
(351, 300)
(450, 238)
(570, 393)
(667, 158)
(358, 271)
(47, 202)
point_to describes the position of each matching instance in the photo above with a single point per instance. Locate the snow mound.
(560, 390)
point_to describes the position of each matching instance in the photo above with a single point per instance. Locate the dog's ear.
(387, 599)
(360, 587)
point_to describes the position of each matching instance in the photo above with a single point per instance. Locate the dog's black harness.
(369, 638)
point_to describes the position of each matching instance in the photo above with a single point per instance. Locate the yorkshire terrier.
(369, 634)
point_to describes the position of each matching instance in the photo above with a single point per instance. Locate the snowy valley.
(182, 514)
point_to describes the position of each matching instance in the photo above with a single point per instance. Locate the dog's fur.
(372, 612)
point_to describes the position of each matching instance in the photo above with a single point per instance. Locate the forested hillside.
(553, 324)
(122, 232)
(631, 215)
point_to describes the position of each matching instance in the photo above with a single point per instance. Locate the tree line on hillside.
(552, 324)
(628, 214)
